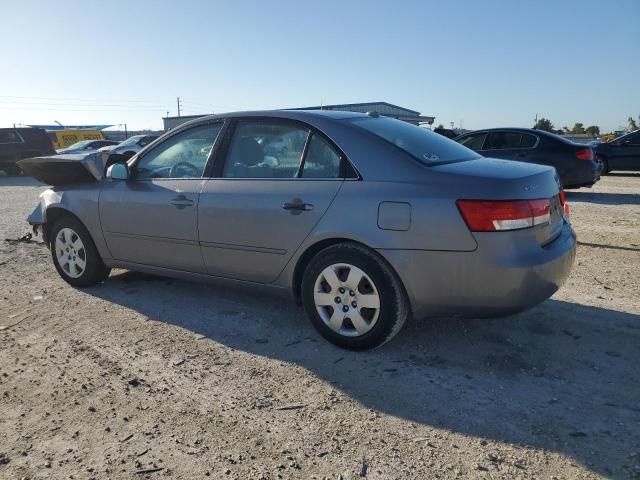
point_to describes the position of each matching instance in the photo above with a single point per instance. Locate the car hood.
(65, 169)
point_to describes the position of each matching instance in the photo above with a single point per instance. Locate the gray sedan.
(367, 220)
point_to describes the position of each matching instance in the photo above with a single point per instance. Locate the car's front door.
(261, 205)
(626, 154)
(151, 219)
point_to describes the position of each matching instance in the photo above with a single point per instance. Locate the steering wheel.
(185, 166)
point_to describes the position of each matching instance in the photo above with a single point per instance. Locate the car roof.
(302, 115)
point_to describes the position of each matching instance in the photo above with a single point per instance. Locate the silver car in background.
(367, 220)
(131, 145)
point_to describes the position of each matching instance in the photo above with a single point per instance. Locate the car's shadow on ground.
(603, 198)
(623, 174)
(558, 377)
(18, 181)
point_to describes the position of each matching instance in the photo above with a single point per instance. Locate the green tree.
(593, 130)
(633, 126)
(578, 128)
(544, 124)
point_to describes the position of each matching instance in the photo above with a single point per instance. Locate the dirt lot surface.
(145, 372)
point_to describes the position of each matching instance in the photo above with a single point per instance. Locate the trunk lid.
(495, 179)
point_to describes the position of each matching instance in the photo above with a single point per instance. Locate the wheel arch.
(52, 215)
(313, 249)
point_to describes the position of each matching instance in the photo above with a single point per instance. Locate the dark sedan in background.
(623, 153)
(576, 164)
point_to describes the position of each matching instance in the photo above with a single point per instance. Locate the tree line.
(579, 128)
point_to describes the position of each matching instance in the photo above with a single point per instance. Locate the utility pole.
(178, 100)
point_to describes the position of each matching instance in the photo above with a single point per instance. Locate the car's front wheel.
(353, 297)
(75, 255)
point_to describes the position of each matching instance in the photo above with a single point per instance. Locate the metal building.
(383, 108)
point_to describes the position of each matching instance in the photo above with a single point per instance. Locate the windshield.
(81, 144)
(131, 140)
(422, 144)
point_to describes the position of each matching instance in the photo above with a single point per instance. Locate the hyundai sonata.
(367, 220)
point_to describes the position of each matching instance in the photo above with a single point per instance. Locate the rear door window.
(474, 142)
(503, 141)
(527, 141)
(322, 160)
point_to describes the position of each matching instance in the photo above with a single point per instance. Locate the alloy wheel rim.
(347, 300)
(70, 253)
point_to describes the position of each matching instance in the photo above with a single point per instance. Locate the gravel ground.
(146, 372)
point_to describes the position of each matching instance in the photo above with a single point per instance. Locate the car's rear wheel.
(353, 297)
(605, 165)
(75, 255)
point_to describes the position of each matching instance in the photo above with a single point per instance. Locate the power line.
(80, 99)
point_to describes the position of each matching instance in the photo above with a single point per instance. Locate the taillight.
(584, 154)
(500, 215)
(565, 205)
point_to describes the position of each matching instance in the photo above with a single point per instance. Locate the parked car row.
(20, 143)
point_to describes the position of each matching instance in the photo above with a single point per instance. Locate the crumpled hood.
(65, 169)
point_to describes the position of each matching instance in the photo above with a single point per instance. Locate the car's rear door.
(258, 208)
(151, 219)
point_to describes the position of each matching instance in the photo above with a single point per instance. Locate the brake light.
(500, 215)
(584, 154)
(566, 210)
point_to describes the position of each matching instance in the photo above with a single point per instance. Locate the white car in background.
(131, 145)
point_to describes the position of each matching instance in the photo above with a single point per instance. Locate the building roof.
(347, 106)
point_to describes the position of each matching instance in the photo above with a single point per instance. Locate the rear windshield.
(81, 144)
(424, 145)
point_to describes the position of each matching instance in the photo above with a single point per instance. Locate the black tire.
(605, 165)
(394, 304)
(13, 170)
(94, 271)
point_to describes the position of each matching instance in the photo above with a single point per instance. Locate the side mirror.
(118, 171)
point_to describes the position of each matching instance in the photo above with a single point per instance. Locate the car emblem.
(528, 188)
(431, 157)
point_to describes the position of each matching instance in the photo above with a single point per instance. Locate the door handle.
(181, 202)
(302, 207)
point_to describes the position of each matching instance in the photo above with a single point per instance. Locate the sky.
(478, 64)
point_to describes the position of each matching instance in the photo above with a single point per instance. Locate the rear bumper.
(507, 273)
(587, 174)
